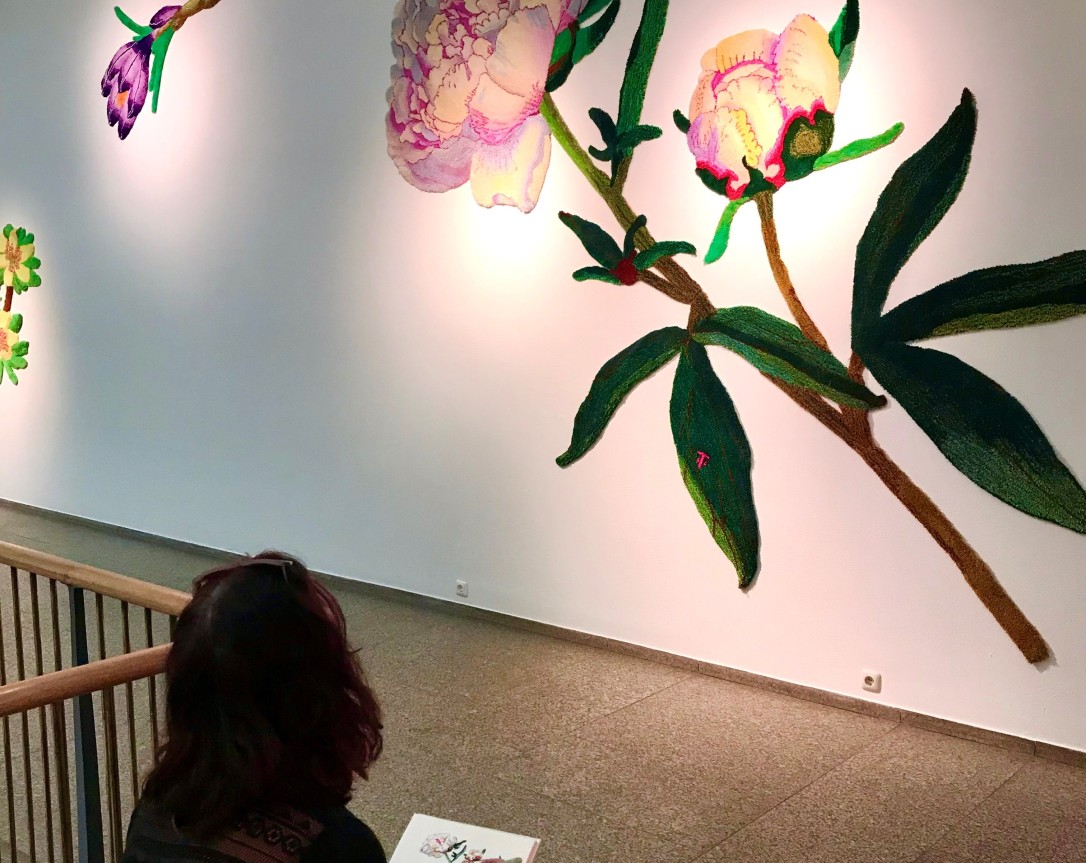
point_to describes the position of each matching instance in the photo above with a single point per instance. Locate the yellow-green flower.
(12, 348)
(19, 263)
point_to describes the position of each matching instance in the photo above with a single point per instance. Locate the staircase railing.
(63, 667)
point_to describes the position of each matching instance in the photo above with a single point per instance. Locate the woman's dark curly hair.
(267, 705)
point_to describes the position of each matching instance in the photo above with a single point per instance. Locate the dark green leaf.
(860, 148)
(591, 8)
(843, 36)
(666, 249)
(639, 135)
(723, 233)
(614, 382)
(630, 242)
(631, 98)
(913, 203)
(982, 430)
(16, 323)
(704, 424)
(1019, 295)
(19, 349)
(598, 274)
(681, 121)
(591, 37)
(605, 124)
(596, 241)
(779, 349)
(559, 71)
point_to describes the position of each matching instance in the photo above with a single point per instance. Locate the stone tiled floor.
(611, 758)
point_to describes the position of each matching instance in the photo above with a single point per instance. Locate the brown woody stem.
(193, 7)
(8, 297)
(764, 200)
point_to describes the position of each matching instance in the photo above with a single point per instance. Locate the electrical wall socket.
(872, 680)
(461, 588)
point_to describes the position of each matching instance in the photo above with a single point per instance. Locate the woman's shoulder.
(345, 837)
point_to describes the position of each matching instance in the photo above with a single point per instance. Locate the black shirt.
(280, 836)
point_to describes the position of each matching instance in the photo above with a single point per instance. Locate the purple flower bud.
(125, 84)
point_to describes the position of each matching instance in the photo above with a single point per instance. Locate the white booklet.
(428, 839)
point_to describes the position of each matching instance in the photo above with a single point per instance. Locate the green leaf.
(779, 349)
(1019, 295)
(7, 230)
(158, 49)
(723, 233)
(596, 241)
(20, 236)
(28, 239)
(559, 72)
(639, 135)
(590, 38)
(35, 280)
(598, 274)
(859, 149)
(10, 366)
(982, 430)
(33, 263)
(681, 121)
(630, 242)
(665, 249)
(615, 381)
(139, 29)
(19, 349)
(591, 8)
(631, 98)
(912, 204)
(16, 323)
(843, 36)
(704, 423)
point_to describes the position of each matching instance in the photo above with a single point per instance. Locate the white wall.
(253, 332)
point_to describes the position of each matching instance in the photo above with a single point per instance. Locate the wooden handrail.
(72, 682)
(131, 590)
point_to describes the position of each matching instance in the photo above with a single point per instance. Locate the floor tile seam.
(950, 827)
(768, 812)
(575, 731)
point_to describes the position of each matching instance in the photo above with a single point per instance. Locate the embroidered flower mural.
(468, 79)
(19, 263)
(762, 102)
(129, 75)
(12, 349)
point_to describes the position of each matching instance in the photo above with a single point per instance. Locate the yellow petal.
(807, 67)
(742, 47)
(27, 251)
(23, 274)
(511, 173)
(755, 112)
(9, 277)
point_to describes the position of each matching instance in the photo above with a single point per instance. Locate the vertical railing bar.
(64, 798)
(40, 668)
(152, 683)
(91, 842)
(8, 774)
(20, 665)
(130, 703)
(109, 723)
(60, 739)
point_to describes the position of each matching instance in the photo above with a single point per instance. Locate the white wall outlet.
(461, 588)
(872, 680)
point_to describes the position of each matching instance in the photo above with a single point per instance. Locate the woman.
(268, 721)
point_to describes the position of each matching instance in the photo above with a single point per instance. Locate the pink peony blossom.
(752, 88)
(466, 87)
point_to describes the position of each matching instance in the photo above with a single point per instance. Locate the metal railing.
(64, 665)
